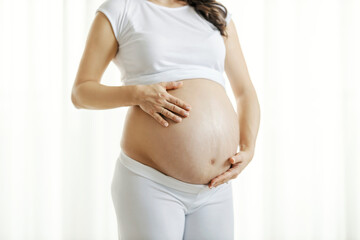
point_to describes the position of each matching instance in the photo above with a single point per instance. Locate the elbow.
(249, 98)
(246, 93)
(74, 98)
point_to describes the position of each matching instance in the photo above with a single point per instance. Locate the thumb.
(172, 85)
(238, 157)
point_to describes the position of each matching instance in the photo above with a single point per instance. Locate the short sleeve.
(114, 11)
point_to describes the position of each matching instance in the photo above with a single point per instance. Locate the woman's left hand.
(238, 162)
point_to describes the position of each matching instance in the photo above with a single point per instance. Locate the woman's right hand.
(155, 100)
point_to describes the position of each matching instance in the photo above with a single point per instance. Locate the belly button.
(212, 161)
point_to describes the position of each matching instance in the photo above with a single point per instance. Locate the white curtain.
(56, 162)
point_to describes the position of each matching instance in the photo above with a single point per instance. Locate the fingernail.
(188, 108)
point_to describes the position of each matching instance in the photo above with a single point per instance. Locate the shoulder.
(113, 5)
(228, 15)
(118, 8)
(116, 12)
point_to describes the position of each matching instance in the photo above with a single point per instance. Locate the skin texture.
(194, 150)
(248, 108)
(199, 148)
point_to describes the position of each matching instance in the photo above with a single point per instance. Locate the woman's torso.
(196, 149)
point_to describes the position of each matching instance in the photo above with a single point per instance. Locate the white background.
(56, 162)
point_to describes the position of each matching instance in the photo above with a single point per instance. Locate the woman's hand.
(238, 162)
(155, 100)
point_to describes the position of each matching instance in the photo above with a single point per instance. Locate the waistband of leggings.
(159, 177)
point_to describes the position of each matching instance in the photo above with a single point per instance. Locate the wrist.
(136, 94)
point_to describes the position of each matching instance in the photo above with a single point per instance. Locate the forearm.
(94, 95)
(248, 110)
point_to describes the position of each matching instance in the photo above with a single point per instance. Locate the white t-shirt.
(163, 44)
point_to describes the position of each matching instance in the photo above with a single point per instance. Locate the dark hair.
(212, 11)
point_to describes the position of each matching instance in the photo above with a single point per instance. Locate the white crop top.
(163, 44)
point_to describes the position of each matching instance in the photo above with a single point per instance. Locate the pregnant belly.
(194, 150)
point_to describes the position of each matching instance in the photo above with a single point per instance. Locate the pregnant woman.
(181, 137)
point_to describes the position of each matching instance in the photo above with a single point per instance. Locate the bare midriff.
(194, 150)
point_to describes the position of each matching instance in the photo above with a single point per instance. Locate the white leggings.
(150, 205)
